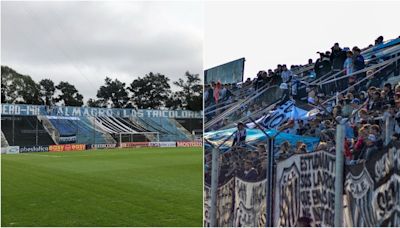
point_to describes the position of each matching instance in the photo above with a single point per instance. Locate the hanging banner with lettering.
(373, 189)
(305, 187)
(255, 136)
(283, 113)
(250, 203)
(68, 111)
(225, 200)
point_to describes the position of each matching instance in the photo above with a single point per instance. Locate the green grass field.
(116, 187)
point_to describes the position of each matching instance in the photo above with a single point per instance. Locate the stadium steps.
(181, 128)
(22, 131)
(138, 123)
(268, 94)
(49, 127)
(107, 136)
(4, 142)
(167, 130)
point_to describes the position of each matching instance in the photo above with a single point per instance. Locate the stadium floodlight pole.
(340, 135)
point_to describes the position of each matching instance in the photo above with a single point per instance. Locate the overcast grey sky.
(271, 33)
(83, 42)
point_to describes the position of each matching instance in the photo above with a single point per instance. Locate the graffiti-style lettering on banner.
(305, 186)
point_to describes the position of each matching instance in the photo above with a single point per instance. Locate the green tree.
(96, 103)
(69, 94)
(151, 91)
(47, 89)
(191, 92)
(18, 88)
(174, 101)
(115, 92)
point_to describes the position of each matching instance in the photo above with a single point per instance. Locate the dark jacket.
(337, 59)
(251, 175)
(322, 67)
(359, 63)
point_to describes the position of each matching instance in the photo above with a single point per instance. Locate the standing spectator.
(389, 94)
(322, 65)
(379, 40)
(222, 93)
(284, 150)
(370, 148)
(240, 135)
(249, 172)
(348, 63)
(216, 91)
(337, 58)
(358, 62)
(286, 74)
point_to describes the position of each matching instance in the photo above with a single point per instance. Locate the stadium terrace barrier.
(10, 150)
(102, 146)
(162, 144)
(67, 147)
(197, 143)
(27, 149)
(134, 144)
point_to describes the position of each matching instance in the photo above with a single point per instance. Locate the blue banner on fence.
(255, 136)
(34, 110)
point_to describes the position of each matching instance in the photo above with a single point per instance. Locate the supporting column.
(214, 187)
(340, 134)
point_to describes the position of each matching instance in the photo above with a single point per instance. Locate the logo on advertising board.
(12, 150)
(167, 144)
(189, 143)
(135, 144)
(27, 149)
(67, 139)
(162, 144)
(67, 147)
(103, 146)
(56, 148)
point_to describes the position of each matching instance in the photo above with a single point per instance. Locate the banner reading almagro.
(34, 110)
(373, 190)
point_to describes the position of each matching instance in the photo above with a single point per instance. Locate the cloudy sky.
(83, 42)
(291, 32)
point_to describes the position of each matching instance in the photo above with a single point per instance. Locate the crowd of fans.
(366, 104)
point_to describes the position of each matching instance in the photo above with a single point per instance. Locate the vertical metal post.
(94, 130)
(120, 140)
(269, 184)
(13, 130)
(214, 187)
(388, 128)
(37, 131)
(340, 134)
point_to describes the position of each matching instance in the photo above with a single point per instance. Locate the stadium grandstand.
(35, 125)
(260, 135)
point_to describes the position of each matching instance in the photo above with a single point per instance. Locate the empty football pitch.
(115, 187)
